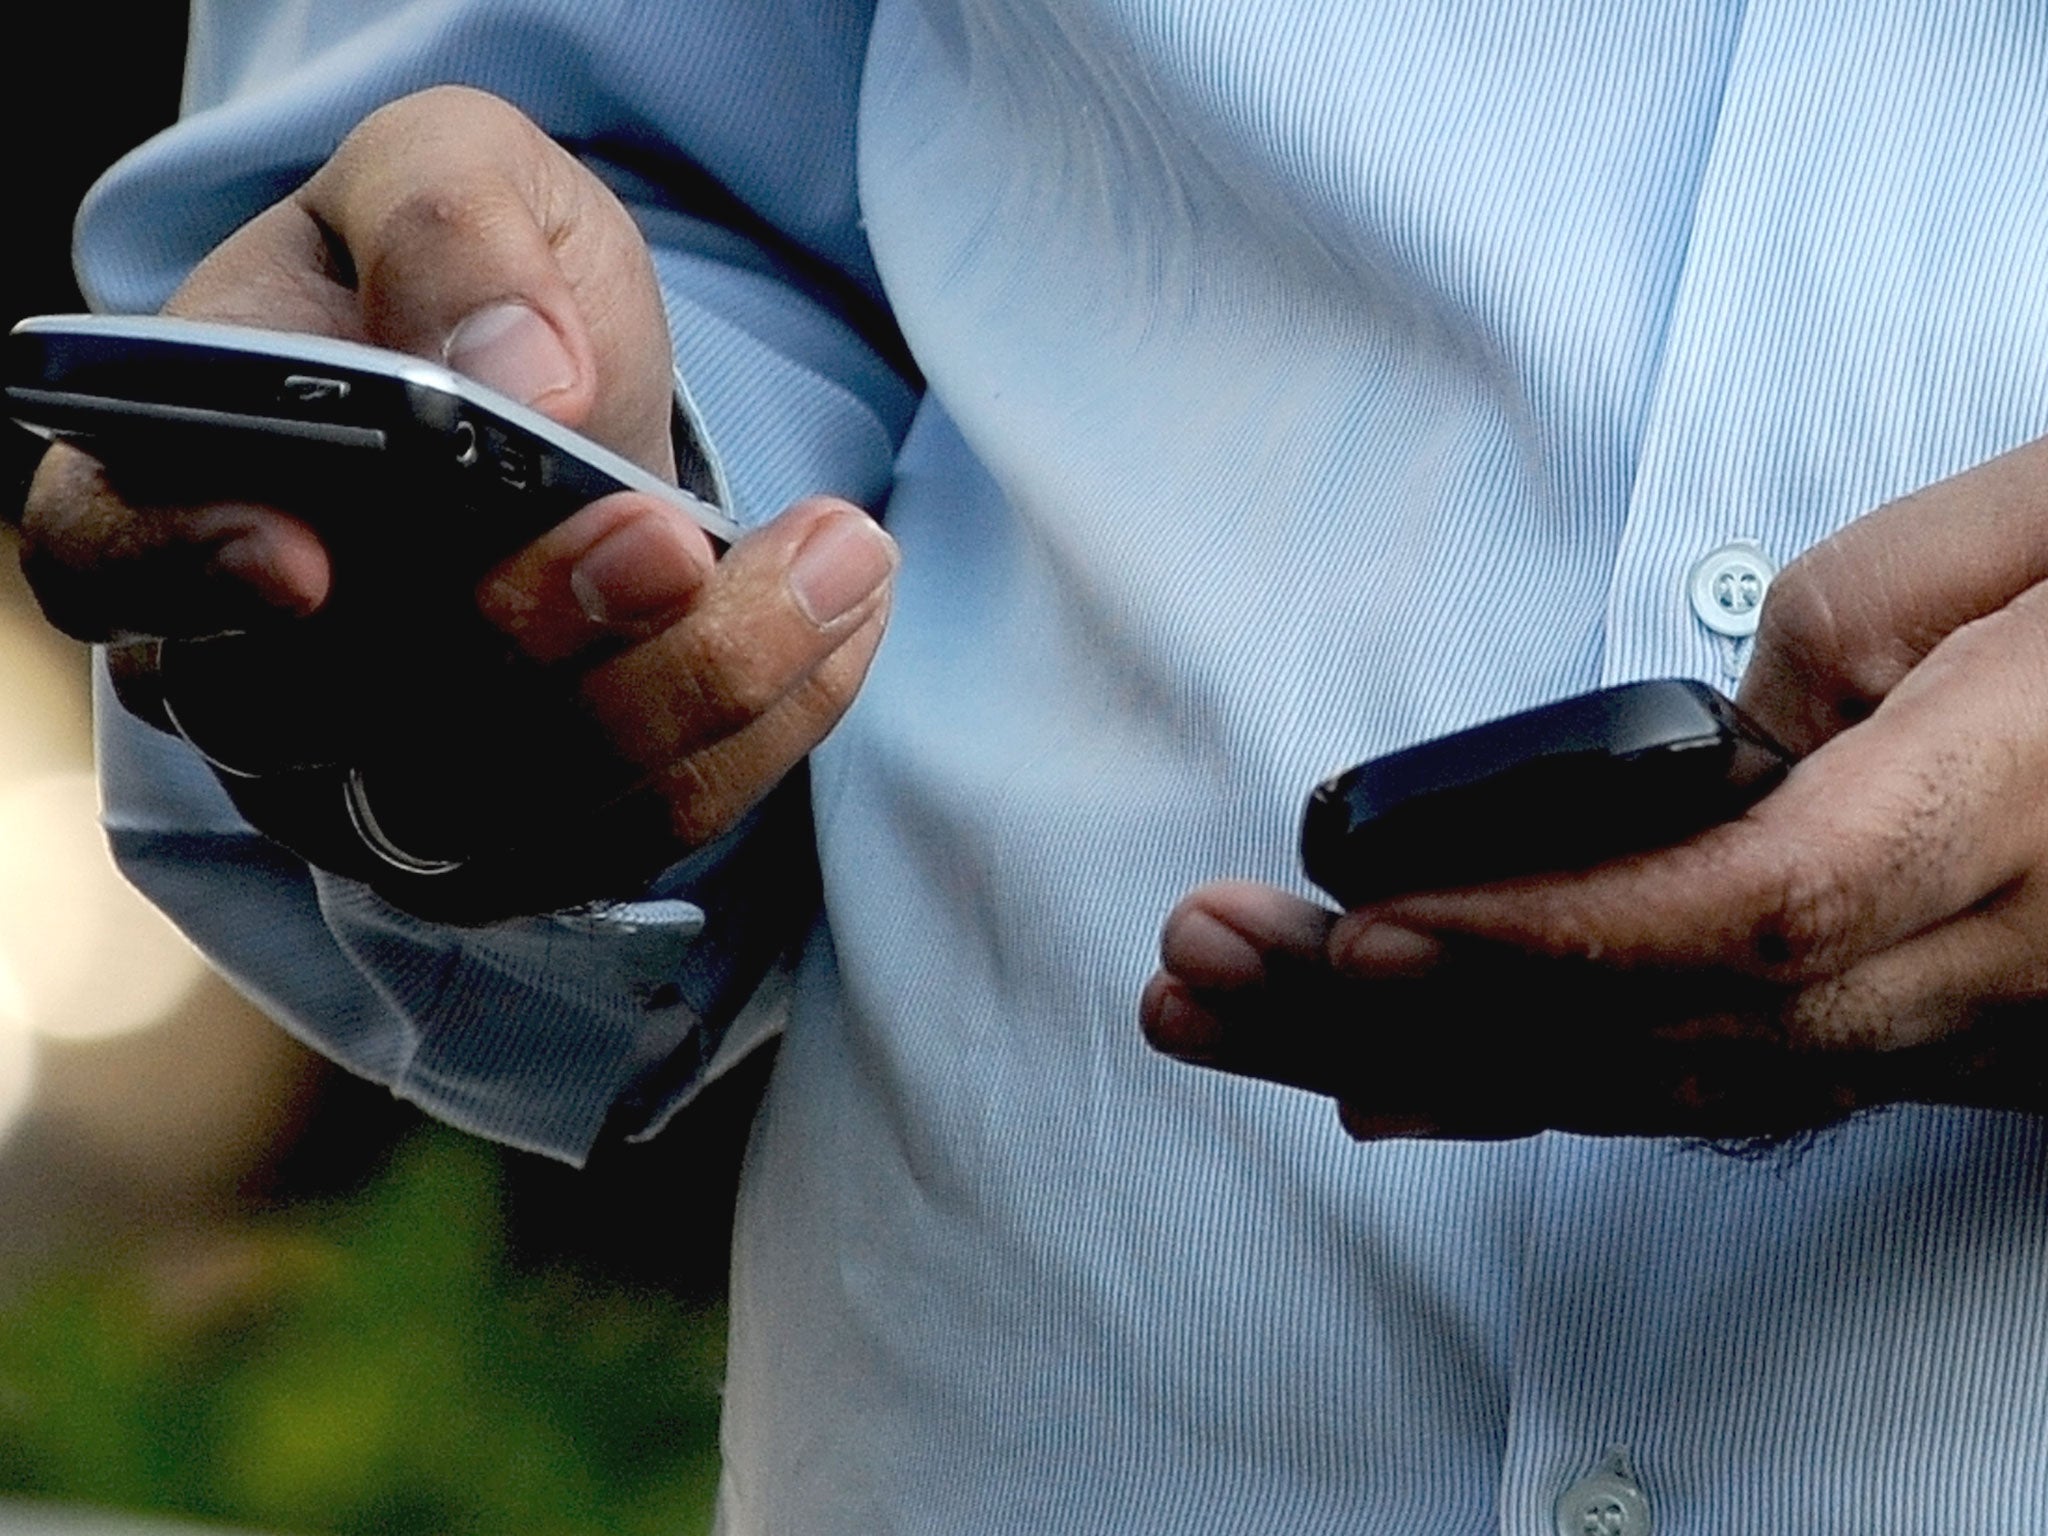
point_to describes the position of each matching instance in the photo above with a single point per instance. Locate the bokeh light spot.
(17, 1069)
(85, 955)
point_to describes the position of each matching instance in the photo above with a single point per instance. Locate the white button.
(1605, 1502)
(1727, 588)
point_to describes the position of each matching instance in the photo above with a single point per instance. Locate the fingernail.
(246, 558)
(1179, 1028)
(257, 562)
(1207, 952)
(640, 569)
(510, 348)
(1382, 949)
(846, 557)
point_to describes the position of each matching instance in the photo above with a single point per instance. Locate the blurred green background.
(375, 1363)
(236, 1287)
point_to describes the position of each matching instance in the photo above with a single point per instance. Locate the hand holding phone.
(417, 480)
(1290, 996)
(605, 698)
(1869, 932)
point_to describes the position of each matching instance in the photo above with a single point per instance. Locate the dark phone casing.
(1561, 787)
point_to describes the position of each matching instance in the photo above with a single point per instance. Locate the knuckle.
(64, 487)
(1800, 930)
(703, 801)
(433, 111)
(1852, 884)
(1831, 1012)
(431, 167)
(1860, 1014)
(1824, 613)
(1797, 610)
(826, 693)
(684, 701)
(66, 533)
(453, 98)
(1802, 620)
(736, 676)
(1570, 930)
(693, 686)
(433, 216)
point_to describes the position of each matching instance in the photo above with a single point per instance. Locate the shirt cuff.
(533, 1032)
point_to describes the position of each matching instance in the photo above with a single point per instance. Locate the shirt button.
(1605, 1502)
(1727, 588)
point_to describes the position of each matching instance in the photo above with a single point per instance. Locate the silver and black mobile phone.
(418, 481)
(367, 443)
(1561, 787)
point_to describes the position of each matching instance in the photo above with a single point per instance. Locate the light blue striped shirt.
(1305, 379)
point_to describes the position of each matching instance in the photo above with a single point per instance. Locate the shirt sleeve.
(727, 128)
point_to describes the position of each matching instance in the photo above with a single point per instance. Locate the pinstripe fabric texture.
(1305, 379)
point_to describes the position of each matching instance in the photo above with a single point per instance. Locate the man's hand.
(1874, 931)
(670, 690)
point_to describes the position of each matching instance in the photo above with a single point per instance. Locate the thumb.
(477, 241)
(1847, 620)
(516, 350)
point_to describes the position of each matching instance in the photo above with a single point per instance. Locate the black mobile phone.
(1561, 787)
(368, 444)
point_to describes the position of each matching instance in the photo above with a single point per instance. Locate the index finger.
(1926, 809)
(166, 549)
(105, 568)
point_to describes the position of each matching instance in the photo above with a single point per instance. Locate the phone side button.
(310, 389)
